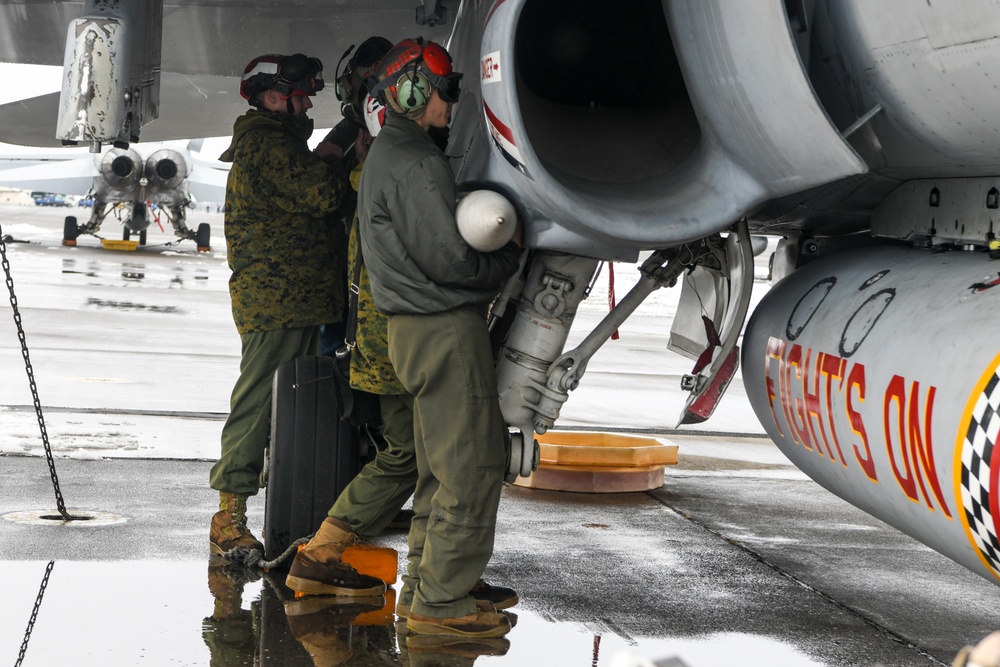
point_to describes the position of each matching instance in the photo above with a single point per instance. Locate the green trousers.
(245, 435)
(374, 496)
(445, 363)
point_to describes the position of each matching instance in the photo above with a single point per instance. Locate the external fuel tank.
(877, 373)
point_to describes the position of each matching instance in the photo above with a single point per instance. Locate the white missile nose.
(483, 220)
(987, 651)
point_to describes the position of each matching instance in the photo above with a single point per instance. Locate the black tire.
(126, 233)
(276, 645)
(70, 229)
(142, 237)
(203, 237)
(313, 454)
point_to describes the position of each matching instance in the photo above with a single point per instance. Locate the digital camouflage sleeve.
(286, 246)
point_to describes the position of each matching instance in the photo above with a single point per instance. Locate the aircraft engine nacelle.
(121, 172)
(634, 126)
(877, 372)
(166, 176)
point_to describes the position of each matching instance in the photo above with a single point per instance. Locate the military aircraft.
(133, 186)
(862, 134)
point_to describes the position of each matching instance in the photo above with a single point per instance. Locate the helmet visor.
(301, 75)
(447, 86)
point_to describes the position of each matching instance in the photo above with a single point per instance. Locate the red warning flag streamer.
(611, 294)
(156, 214)
(712, 336)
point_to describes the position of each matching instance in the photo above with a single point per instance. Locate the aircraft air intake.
(647, 124)
(122, 166)
(120, 169)
(166, 172)
(166, 169)
(601, 93)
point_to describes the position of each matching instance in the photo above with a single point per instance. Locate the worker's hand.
(326, 148)
(363, 143)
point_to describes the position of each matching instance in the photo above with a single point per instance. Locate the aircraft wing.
(206, 105)
(71, 177)
(73, 171)
(207, 184)
(203, 50)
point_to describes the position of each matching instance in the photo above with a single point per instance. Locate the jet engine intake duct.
(649, 124)
(121, 171)
(166, 173)
(601, 92)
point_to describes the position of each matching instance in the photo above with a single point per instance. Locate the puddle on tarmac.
(183, 274)
(152, 612)
(113, 304)
(133, 272)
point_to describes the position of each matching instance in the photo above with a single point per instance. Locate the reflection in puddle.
(69, 266)
(177, 280)
(133, 272)
(117, 274)
(180, 274)
(155, 612)
(130, 305)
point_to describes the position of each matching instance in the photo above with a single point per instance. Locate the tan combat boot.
(229, 525)
(479, 624)
(318, 568)
(227, 592)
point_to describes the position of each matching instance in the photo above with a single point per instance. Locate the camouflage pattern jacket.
(285, 246)
(417, 261)
(371, 369)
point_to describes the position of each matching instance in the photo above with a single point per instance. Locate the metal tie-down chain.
(31, 380)
(41, 589)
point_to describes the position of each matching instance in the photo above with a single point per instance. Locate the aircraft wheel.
(522, 457)
(203, 238)
(126, 233)
(313, 456)
(70, 230)
(142, 237)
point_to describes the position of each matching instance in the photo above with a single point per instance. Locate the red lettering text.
(915, 444)
(857, 380)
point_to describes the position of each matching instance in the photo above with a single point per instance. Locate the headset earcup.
(411, 91)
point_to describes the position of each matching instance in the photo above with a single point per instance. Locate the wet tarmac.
(732, 561)
(737, 559)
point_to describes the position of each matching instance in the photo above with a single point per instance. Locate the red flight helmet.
(408, 73)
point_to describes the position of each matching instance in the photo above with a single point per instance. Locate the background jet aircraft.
(861, 133)
(132, 187)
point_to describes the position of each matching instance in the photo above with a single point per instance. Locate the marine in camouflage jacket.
(371, 369)
(286, 247)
